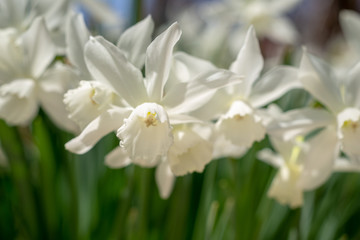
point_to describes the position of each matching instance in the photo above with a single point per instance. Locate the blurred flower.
(19, 15)
(350, 24)
(340, 97)
(213, 30)
(27, 80)
(236, 107)
(267, 17)
(303, 166)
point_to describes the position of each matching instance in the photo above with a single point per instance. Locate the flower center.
(350, 125)
(150, 119)
(237, 117)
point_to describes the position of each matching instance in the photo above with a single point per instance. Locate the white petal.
(273, 85)
(224, 148)
(186, 67)
(352, 87)
(318, 79)
(182, 119)
(18, 103)
(270, 157)
(87, 101)
(58, 78)
(249, 62)
(77, 35)
(319, 160)
(135, 40)
(52, 103)
(188, 96)
(240, 125)
(146, 134)
(269, 114)
(117, 158)
(189, 153)
(165, 180)
(284, 148)
(53, 12)
(282, 30)
(107, 122)
(38, 47)
(11, 55)
(13, 13)
(108, 64)
(158, 61)
(349, 131)
(215, 107)
(52, 85)
(346, 165)
(284, 188)
(350, 24)
(299, 122)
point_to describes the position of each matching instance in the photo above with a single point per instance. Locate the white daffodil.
(341, 100)
(303, 166)
(190, 152)
(215, 29)
(88, 101)
(151, 108)
(26, 80)
(92, 98)
(267, 17)
(19, 15)
(350, 25)
(236, 108)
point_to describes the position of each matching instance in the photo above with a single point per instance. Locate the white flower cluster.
(174, 111)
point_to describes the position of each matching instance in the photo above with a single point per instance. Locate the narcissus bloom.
(236, 108)
(340, 97)
(267, 17)
(146, 120)
(27, 80)
(92, 98)
(303, 166)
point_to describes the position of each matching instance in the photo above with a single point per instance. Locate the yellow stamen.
(237, 117)
(350, 124)
(91, 97)
(296, 150)
(150, 119)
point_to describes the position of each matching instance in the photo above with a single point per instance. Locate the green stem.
(123, 208)
(43, 143)
(205, 201)
(74, 209)
(14, 151)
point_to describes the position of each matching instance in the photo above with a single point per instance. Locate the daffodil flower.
(145, 123)
(236, 108)
(350, 24)
(302, 165)
(19, 15)
(26, 80)
(92, 98)
(340, 98)
(267, 17)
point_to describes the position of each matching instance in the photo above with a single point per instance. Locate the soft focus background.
(49, 193)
